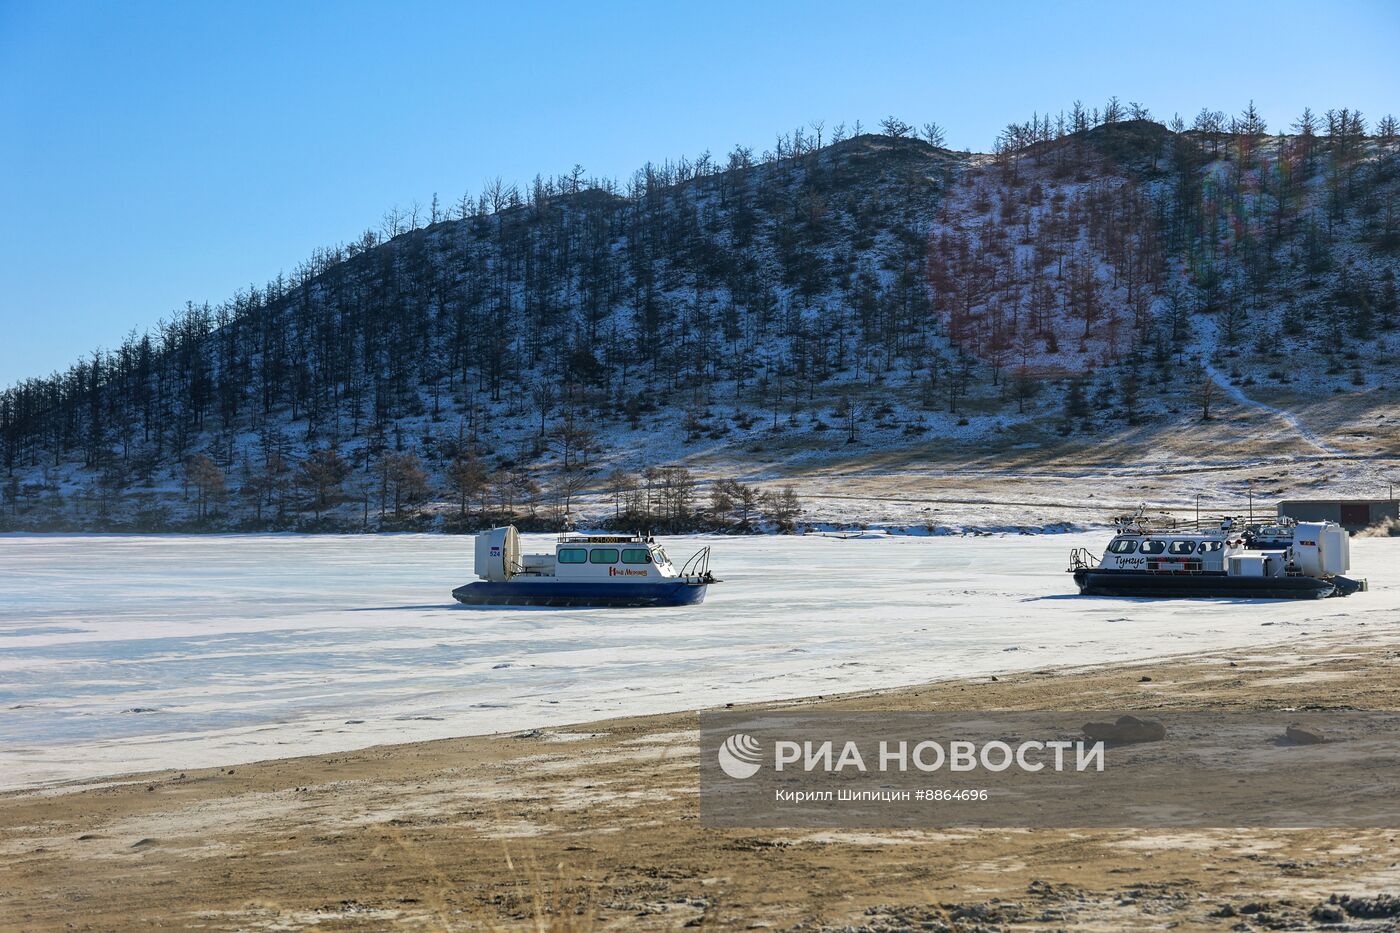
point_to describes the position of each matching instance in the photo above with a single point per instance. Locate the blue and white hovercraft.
(583, 571)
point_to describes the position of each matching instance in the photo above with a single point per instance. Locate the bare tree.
(893, 126)
(731, 499)
(1387, 131)
(1206, 391)
(1306, 124)
(208, 481)
(466, 478)
(620, 485)
(402, 478)
(566, 487)
(572, 440)
(544, 398)
(322, 473)
(848, 412)
(783, 507)
(676, 486)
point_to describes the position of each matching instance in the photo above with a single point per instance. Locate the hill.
(1115, 302)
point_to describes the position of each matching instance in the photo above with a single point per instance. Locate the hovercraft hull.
(578, 595)
(1215, 585)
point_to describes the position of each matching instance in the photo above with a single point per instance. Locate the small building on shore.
(1351, 514)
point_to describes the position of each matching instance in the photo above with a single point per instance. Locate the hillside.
(1157, 311)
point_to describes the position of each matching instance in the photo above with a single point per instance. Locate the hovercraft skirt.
(579, 595)
(1214, 585)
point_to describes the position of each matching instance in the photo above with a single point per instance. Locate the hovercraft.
(1282, 560)
(583, 571)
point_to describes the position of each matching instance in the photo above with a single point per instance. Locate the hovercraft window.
(636, 555)
(573, 555)
(1210, 546)
(1124, 546)
(1153, 547)
(1183, 547)
(603, 555)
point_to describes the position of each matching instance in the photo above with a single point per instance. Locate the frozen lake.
(126, 653)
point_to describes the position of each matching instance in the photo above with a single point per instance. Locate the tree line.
(484, 352)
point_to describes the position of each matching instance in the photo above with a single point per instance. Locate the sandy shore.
(596, 827)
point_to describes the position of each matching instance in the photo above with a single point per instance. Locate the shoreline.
(802, 530)
(874, 486)
(594, 824)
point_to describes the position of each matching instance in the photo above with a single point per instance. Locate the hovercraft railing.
(1081, 559)
(698, 565)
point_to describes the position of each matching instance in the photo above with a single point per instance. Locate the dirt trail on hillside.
(596, 827)
(1288, 417)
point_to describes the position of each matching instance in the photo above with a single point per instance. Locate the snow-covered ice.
(128, 653)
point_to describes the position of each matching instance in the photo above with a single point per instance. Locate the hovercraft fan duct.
(498, 554)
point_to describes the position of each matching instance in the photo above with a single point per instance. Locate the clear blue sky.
(156, 152)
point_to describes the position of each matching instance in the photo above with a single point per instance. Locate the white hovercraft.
(1280, 560)
(583, 570)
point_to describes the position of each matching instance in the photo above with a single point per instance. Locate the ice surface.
(128, 653)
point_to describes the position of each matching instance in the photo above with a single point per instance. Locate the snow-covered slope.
(873, 307)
